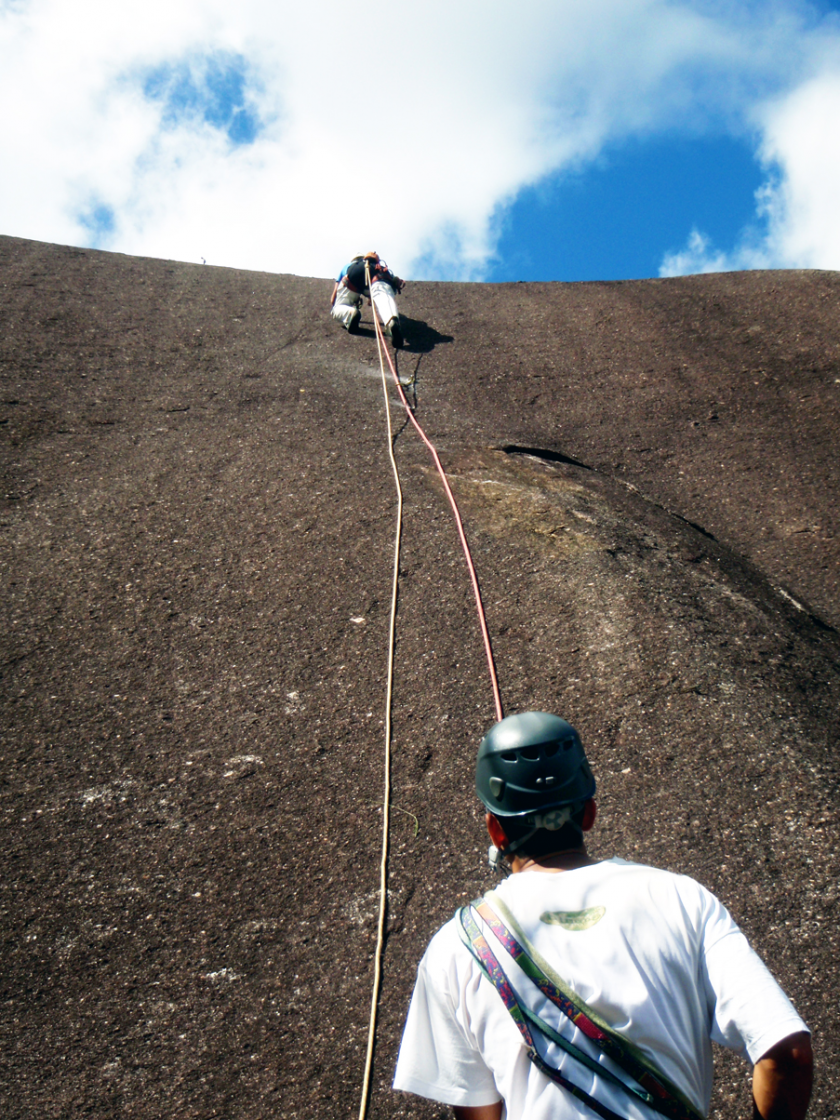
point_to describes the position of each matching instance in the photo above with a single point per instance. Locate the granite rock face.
(197, 519)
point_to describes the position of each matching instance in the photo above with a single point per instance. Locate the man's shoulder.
(646, 870)
(627, 884)
(446, 947)
(448, 936)
(636, 875)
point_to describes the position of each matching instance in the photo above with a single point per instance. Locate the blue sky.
(615, 219)
(606, 140)
(209, 89)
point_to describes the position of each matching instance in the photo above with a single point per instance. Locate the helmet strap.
(552, 821)
(496, 855)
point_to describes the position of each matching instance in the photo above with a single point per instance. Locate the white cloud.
(698, 255)
(802, 140)
(399, 127)
(797, 222)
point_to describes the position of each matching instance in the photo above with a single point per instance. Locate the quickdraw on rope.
(651, 1088)
(382, 349)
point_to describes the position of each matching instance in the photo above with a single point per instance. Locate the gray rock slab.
(197, 522)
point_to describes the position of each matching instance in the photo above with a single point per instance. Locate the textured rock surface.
(197, 525)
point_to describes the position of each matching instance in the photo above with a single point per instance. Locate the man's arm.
(479, 1112)
(782, 1079)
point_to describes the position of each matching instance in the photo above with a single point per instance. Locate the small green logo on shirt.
(574, 919)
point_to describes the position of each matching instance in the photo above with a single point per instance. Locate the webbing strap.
(661, 1094)
(652, 1088)
(486, 958)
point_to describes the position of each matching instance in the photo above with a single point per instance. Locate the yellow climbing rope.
(389, 689)
(383, 900)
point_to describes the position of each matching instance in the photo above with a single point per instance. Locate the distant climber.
(351, 285)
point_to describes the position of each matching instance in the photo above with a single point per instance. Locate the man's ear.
(590, 812)
(497, 833)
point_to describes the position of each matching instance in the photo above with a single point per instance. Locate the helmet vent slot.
(508, 756)
(551, 749)
(530, 754)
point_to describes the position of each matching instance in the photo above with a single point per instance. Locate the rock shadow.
(419, 337)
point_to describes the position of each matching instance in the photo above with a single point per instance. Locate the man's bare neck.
(556, 861)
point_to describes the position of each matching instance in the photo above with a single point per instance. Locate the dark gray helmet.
(530, 764)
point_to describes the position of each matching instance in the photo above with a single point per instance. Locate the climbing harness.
(380, 940)
(648, 1085)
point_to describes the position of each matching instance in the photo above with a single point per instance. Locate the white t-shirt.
(654, 954)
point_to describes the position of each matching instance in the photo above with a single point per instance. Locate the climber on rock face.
(352, 284)
(582, 986)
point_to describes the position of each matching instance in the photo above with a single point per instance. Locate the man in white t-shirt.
(581, 987)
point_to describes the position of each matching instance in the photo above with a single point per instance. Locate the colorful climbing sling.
(648, 1085)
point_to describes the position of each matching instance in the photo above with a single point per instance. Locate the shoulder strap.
(666, 1097)
(652, 1087)
(475, 941)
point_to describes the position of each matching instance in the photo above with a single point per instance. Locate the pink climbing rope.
(491, 665)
